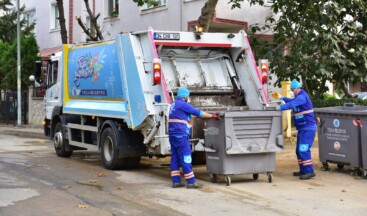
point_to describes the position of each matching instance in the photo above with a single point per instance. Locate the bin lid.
(351, 110)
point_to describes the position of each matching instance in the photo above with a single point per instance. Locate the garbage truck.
(114, 96)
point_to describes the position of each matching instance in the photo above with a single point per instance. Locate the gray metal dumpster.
(363, 126)
(339, 135)
(243, 143)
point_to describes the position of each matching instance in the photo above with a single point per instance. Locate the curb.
(28, 134)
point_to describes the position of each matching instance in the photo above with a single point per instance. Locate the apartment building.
(124, 16)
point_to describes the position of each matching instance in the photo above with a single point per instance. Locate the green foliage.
(8, 62)
(324, 40)
(8, 47)
(149, 2)
(329, 96)
(8, 22)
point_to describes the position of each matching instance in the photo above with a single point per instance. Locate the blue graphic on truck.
(91, 73)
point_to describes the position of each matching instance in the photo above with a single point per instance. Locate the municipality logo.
(336, 123)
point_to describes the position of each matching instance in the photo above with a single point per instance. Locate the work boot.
(297, 173)
(193, 186)
(307, 176)
(178, 185)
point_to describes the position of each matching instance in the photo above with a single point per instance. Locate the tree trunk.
(64, 32)
(207, 13)
(93, 20)
(344, 87)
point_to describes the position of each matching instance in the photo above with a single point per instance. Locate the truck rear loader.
(114, 96)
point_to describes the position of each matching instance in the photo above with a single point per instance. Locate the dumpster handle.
(322, 122)
(286, 120)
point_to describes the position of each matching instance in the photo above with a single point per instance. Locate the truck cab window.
(52, 78)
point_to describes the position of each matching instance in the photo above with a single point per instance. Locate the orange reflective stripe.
(175, 173)
(178, 121)
(303, 112)
(190, 176)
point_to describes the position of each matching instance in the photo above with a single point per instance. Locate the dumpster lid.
(352, 110)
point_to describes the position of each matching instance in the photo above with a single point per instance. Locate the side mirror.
(33, 79)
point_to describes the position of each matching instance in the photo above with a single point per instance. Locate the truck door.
(53, 93)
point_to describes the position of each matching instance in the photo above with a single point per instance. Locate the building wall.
(174, 16)
(251, 14)
(46, 37)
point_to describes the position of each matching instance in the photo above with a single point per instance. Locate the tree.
(8, 22)
(63, 31)
(95, 27)
(324, 40)
(8, 33)
(88, 32)
(8, 61)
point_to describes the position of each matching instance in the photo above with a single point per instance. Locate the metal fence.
(9, 107)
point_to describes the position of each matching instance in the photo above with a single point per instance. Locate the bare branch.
(93, 20)
(86, 31)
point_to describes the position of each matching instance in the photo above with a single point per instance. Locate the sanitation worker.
(305, 123)
(179, 130)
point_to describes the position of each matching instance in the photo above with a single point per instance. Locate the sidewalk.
(22, 131)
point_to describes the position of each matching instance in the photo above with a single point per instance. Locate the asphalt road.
(34, 181)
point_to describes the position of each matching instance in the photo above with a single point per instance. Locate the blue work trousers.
(181, 157)
(305, 140)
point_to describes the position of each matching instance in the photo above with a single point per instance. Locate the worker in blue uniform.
(304, 120)
(179, 130)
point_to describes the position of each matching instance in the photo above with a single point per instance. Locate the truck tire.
(132, 163)
(110, 154)
(60, 142)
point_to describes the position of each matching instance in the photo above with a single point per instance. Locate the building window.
(30, 17)
(112, 8)
(88, 23)
(153, 4)
(54, 22)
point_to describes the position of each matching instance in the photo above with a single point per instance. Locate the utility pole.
(19, 83)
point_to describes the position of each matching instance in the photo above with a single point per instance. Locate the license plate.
(166, 36)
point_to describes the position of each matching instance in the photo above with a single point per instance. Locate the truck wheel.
(255, 176)
(59, 142)
(110, 155)
(131, 163)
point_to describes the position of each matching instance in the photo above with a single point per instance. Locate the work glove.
(277, 95)
(278, 108)
(215, 116)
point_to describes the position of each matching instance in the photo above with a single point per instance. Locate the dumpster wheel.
(255, 176)
(213, 177)
(228, 180)
(270, 177)
(325, 166)
(364, 174)
(340, 166)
